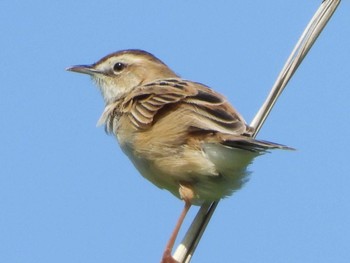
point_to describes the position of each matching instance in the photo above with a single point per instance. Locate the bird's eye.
(118, 66)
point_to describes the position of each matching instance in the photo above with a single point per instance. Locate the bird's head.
(118, 73)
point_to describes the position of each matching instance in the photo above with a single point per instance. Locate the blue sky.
(68, 194)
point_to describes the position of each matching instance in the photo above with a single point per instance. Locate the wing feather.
(212, 109)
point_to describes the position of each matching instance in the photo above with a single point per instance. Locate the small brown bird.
(181, 135)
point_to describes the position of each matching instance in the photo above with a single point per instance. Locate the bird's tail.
(253, 145)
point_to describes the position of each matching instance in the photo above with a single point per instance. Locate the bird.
(181, 135)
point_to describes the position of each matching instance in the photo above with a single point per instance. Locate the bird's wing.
(211, 110)
(203, 110)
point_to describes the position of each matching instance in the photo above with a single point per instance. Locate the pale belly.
(214, 172)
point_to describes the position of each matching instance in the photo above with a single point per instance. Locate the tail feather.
(253, 145)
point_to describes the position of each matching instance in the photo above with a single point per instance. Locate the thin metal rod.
(186, 249)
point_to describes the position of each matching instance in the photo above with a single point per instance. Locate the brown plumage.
(181, 135)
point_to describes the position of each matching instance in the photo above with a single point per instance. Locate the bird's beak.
(85, 69)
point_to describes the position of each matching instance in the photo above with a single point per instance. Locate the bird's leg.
(187, 195)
